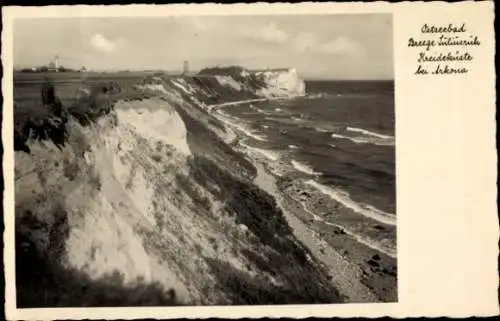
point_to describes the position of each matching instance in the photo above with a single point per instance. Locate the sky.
(318, 46)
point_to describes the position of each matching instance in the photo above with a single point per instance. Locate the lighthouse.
(185, 67)
(54, 64)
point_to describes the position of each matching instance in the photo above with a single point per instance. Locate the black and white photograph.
(204, 160)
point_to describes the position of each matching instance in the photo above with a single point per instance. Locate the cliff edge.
(135, 197)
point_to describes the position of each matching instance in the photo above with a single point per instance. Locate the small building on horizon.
(185, 67)
(54, 65)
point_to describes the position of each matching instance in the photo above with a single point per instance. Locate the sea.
(341, 135)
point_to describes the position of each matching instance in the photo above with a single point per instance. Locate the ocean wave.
(317, 95)
(388, 248)
(249, 133)
(281, 120)
(260, 111)
(366, 140)
(233, 122)
(304, 168)
(367, 132)
(365, 210)
(271, 155)
(239, 102)
(293, 146)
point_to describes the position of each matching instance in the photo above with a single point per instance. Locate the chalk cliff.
(282, 83)
(142, 202)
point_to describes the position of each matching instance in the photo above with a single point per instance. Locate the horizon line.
(193, 72)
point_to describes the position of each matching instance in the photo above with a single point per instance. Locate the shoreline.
(349, 262)
(345, 276)
(239, 102)
(253, 100)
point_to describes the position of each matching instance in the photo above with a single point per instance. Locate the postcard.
(250, 160)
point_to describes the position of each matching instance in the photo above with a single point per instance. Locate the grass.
(95, 179)
(244, 289)
(187, 186)
(83, 96)
(229, 178)
(70, 169)
(303, 281)
(217, 168)
(203, 141)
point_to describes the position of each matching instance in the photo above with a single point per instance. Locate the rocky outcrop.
(282, 83)
(269, 83)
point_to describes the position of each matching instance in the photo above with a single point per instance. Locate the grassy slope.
(213, 163)
(52, 284)
(279, 254)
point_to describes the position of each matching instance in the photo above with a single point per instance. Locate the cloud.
(342, 45)
(269, 33)
(305, 41)
(310, 42)
(101, 43)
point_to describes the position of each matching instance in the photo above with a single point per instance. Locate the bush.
(70, 169)
(191, 190)
(244, 289)
(304, 282)
(156, 157)
(80, 143)
(95, 179)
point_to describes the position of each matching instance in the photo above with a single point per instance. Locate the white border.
(446, 187)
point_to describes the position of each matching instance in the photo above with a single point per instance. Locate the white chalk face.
(205, 160)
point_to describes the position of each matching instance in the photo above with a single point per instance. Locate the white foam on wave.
(365, 210)
(266, 153)
(367, 132)
(233, 123)
(387, 249)
(361, 140)
(249, 133)
(293, 146)
(304, 168)
(353, 139)
(376, 245)
(316, 96)
(321, 130)
(277, 109)
(263, 111)
(238, 102)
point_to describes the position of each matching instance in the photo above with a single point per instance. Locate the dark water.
(359, 159)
